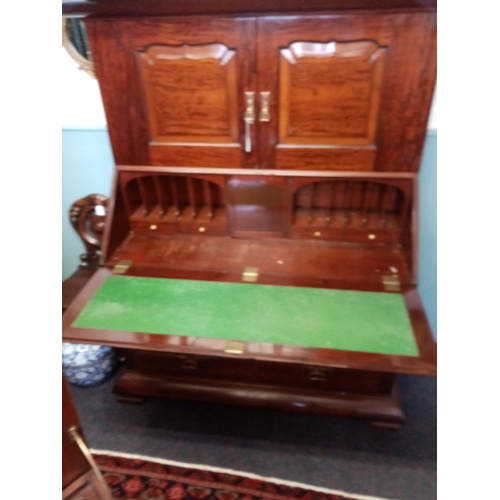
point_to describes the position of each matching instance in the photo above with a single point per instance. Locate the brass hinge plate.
(122, 266)
(391, 283)
(235, 347)
(250, 274)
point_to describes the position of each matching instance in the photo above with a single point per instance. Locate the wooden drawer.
(247, 371)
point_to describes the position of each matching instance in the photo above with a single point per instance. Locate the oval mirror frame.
(84, 63)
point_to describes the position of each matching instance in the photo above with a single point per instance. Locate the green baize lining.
(374, 322)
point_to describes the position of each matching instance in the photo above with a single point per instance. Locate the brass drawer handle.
(317, 375)
(190, 364)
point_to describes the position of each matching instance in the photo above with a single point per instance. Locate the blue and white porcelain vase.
(88, 365)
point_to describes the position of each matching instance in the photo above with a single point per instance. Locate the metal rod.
(75, 436)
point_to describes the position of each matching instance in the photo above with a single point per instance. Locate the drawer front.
(247, 371)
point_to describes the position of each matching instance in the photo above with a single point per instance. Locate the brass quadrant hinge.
(250, 274)
(391, 283)
(122, 266)
(235, 347)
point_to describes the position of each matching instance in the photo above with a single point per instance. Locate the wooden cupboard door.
(346, 92)
(174, 90)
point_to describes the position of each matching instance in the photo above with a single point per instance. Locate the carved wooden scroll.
(88, 215)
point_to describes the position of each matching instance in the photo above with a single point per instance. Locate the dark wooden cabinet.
(319, 92)
(272, 146)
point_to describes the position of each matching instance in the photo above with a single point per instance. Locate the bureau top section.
(137, 8)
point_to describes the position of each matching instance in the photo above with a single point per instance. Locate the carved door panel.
(341, 92)
(184, 83)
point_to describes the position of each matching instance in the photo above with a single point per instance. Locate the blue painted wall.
(87, 167)
(427, 279)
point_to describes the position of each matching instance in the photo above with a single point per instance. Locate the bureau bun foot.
(133, 400)
(386, 426)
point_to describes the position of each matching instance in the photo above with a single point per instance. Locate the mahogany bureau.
(260, 243)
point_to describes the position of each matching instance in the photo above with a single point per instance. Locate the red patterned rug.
(137, 477)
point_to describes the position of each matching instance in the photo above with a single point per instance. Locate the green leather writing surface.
(336, 319)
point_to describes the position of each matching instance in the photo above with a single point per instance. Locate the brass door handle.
(249, 119)
(265, 114)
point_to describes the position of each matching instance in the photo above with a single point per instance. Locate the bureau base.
(380, 407)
